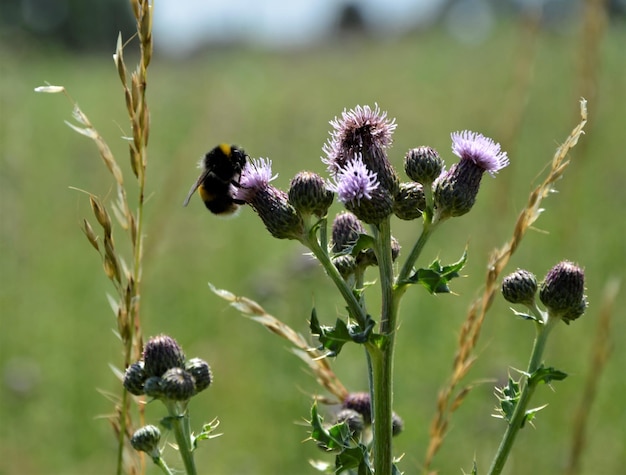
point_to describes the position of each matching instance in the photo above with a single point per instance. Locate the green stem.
(427, 230)
(519, 415)
(179, 417)
(354, 308)
(381, 356)
(162, 465)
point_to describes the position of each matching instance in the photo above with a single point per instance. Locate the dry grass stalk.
(470, 331)
(600, 352)
(312, 357)
(125, 279)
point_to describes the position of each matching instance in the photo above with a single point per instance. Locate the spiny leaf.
(436, 277)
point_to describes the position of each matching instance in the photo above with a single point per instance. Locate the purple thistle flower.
(366, 132)
(480, 150)
(354, 182)
(256, 176)
(281, 219)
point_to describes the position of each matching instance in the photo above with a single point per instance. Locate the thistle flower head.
(354, 182)
(134, 378)
(309, 195)
(409, 202)
(358, 128)
(563, 291)
(345, 264)
(346, 229)
(177, 384)
(423, 165)
(520, 287)
(363, 132)
(255, 176)
(146, 439)
(361, 403)
(455, 191)
(162, 353)
(281, 219)
(200, 372)
(480, 150)
(353, 420)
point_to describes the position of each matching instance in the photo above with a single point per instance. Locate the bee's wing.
(195, 187)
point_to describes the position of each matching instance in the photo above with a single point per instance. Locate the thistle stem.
(179, 418)
(519, 415)
(381, 355)
(427, 231)
(354, 307)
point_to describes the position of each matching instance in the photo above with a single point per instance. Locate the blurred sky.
(182, 26)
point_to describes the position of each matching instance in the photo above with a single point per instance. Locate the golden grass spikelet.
(470, 331)
(101, 214)
(316, 361)
(90, 234)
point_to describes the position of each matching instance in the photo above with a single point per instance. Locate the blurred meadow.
(520, 86)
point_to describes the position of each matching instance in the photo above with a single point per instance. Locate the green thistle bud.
(353, 420)
(373, 210)
(346, 229)
(520, 287)
(423, 165)
(135, 378)
(177, 384)
(153, 387)
(309, 195)
(562, 291)
(281, 219)
(345, 264)
(409, 201)
(162, 353)
(455, 191)
(361, 403)
(146, 439)
(201, 373)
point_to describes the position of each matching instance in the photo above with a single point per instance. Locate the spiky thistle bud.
(361, 403)
(161, 353)
(423, 165)
(280, 218)
(201, 373)
(177, 384)
(146, 439)
(520, 287)
(409, 201)
(353, 420)
(135, 377)
(309, 195)
(563, 291)
(455, 191)
(153, 387)
(346, 229)
(345, 264)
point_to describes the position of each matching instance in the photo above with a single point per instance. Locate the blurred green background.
(520, 86)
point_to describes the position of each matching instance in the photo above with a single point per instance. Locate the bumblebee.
(221, 172)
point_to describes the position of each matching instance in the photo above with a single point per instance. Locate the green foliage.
(337, 438)
(436, 277)
(333, 338)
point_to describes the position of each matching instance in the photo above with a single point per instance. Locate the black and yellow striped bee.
(221, 172)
